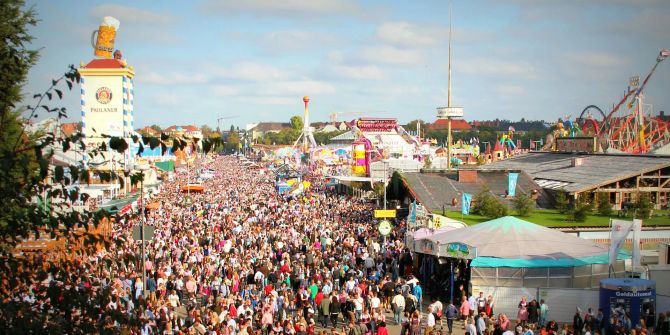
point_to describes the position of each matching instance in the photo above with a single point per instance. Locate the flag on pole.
(465, 203)
(511, 184)
(618, 234)
(637, 231)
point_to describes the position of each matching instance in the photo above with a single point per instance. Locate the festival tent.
(512, 242)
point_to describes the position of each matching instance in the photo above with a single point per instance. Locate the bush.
(487, 205)
(562, 202)
(643, 206)
(603, 204)
(580, 210)
(523, 204)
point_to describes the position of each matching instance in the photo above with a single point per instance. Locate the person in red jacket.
(381, 329)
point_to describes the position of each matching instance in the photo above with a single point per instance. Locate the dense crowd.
(241, 259)
(238, 258)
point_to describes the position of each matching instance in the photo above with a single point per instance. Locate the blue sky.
(196, 61)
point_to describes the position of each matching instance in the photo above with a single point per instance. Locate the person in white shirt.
(375, 302)
(470, 327)
(430, 321)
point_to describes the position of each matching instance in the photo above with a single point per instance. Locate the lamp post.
(142, 168)
(385, 180)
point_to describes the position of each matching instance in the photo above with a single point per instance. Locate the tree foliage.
(297, 123)
(562, 203)
(643, 205)
(487, 205)
(603, 205)
(580, 209)
(523, 204)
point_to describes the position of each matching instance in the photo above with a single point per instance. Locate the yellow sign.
(437, 221)
(384, 213)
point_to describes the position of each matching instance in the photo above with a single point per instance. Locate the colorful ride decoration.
(629, 127)
(506, 140)
(360, 165)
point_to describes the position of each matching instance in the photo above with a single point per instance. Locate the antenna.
(449, 78)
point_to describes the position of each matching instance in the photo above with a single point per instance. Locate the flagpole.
(609, 253)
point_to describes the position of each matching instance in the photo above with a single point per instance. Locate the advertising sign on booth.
(385, 213)
(385, 227)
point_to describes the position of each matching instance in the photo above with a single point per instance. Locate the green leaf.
(49, 95)
(59, 93)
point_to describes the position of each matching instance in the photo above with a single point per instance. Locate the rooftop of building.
(557, 171)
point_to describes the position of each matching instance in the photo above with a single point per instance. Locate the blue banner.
(411, 218)
(511, 185)
(465, 203)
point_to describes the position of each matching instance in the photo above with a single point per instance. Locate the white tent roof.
(509, 237)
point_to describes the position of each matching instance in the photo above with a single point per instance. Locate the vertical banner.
(637, 231)
(618, 234)
(511, 185)
(411, 218)
(465, 203)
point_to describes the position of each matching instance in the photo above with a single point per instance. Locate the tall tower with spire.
(450, 111)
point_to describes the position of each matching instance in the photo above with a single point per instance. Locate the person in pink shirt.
(465, 310)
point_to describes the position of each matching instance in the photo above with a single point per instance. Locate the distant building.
(262, 128)
(149, 131)
(69, 129)
(329, 128)
(456, 125)
(621, 177)
(188, 131)
(520, 127)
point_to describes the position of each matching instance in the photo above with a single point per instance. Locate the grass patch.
(552, 218)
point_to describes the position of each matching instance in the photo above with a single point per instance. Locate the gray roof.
(434, 190)
(348, 136)
(555, 170)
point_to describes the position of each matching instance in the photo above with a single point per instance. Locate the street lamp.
(142, 168)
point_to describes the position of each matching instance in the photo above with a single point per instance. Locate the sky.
(253, 61)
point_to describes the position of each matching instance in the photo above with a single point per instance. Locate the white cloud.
(390, 55)
(250, 71)
(127, 14)
(225, 90)
(509, 89)
(286, 8)
(409, 34)
(269, 100)
(165, 99)
(596, 59)
(358, 72)
(294, 40)
(300, 87)
(172, 78)
(496, 67)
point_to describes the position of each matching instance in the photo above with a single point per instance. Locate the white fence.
(562, 302)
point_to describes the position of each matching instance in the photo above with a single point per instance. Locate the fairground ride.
(630, 126)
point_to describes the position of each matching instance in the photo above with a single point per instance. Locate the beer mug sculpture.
(103, 43)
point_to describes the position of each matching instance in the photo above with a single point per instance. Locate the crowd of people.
(241, 259)
(238, 258)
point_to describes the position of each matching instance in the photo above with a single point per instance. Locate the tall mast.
(449, 78)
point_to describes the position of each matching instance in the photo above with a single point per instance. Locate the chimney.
(577, 161)
(467, 176)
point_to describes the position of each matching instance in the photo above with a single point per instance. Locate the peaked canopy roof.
(512, 238)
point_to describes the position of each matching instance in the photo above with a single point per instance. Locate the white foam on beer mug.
(111, 22)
